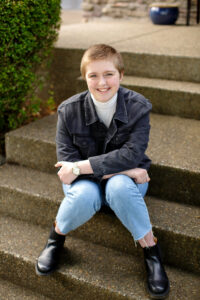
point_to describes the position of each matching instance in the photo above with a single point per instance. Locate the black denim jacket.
(80, 134)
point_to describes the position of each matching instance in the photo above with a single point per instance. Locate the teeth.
(103, 90)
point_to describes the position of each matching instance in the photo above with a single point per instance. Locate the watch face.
(76, 171)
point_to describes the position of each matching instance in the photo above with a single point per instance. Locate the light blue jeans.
(84, 198)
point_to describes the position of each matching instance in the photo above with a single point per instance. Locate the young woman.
(102, 136)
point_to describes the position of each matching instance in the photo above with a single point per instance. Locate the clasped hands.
(66, 175)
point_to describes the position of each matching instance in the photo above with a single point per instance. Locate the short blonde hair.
(101, 52)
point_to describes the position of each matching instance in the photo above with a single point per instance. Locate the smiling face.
(103, 79)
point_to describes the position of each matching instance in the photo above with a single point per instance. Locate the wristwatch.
(75, 169)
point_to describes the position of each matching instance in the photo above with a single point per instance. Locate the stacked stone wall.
(132, 8)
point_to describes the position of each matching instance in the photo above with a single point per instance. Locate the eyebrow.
(107, 71)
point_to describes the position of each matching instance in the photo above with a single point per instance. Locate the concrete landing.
(132, 35)
(148, 50)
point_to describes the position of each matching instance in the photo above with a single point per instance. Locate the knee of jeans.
(117, 186)
(87, 192)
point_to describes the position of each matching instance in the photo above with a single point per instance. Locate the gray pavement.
(129, 35)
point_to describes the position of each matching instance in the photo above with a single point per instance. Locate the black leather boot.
(48, 259)
(157, 280)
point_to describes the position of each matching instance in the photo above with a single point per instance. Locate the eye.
(92, 76)
(109, 74)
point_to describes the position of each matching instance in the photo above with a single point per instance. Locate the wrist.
(75, 169)
(85, 167)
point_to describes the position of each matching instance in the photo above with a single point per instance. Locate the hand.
(138, 174)
(65, 173)
(108, 176)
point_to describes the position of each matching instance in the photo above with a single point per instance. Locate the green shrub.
(28, 30)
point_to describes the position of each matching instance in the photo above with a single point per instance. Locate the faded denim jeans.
(84, 198)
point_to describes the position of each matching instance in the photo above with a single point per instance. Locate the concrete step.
(10, 291)
(66, 68)
(87, 271)
(176, 225)
(167, 97)
(148, 50)
(173, 148)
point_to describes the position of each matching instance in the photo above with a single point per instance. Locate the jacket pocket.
(85, 144)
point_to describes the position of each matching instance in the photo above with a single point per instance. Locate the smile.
(103, 90)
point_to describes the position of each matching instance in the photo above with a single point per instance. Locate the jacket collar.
(121, 111)
(91, 115)
(90, 112)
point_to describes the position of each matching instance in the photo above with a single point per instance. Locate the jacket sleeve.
(65, 149)
(129, 155)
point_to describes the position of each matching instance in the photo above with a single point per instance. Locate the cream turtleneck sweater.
(105, 110)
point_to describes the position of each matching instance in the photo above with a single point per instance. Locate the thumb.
(59, 164)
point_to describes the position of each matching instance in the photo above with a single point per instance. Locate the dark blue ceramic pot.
(164, 15)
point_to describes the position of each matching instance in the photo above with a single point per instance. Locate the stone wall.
(131, 8)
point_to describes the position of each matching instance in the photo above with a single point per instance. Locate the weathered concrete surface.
(167, 97)
(29, 195)
(153, 51)
(129, 35)
(2, 159)
(169, 52)
(34, 197)
(10, 291)
(174, 142)
(173, 148)
(65, 69)
(34, 144)
(92, 271)
(88, 271)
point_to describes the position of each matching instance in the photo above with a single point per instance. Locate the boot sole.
(161, 296)
(39, 273)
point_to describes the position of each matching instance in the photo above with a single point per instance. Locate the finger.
(59, 164)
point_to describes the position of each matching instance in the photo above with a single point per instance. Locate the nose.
(102, 80)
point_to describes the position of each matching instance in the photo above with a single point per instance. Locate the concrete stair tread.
(30, 181)
(169, 216)
(30, 199)
(174, 142)
(172, 85)
(168, 97)
(41, 130)
(166, 215)
(97, 270)
(10, 291)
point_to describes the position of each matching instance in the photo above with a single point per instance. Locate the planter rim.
(164, 5)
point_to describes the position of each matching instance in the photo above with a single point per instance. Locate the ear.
(121, 76)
